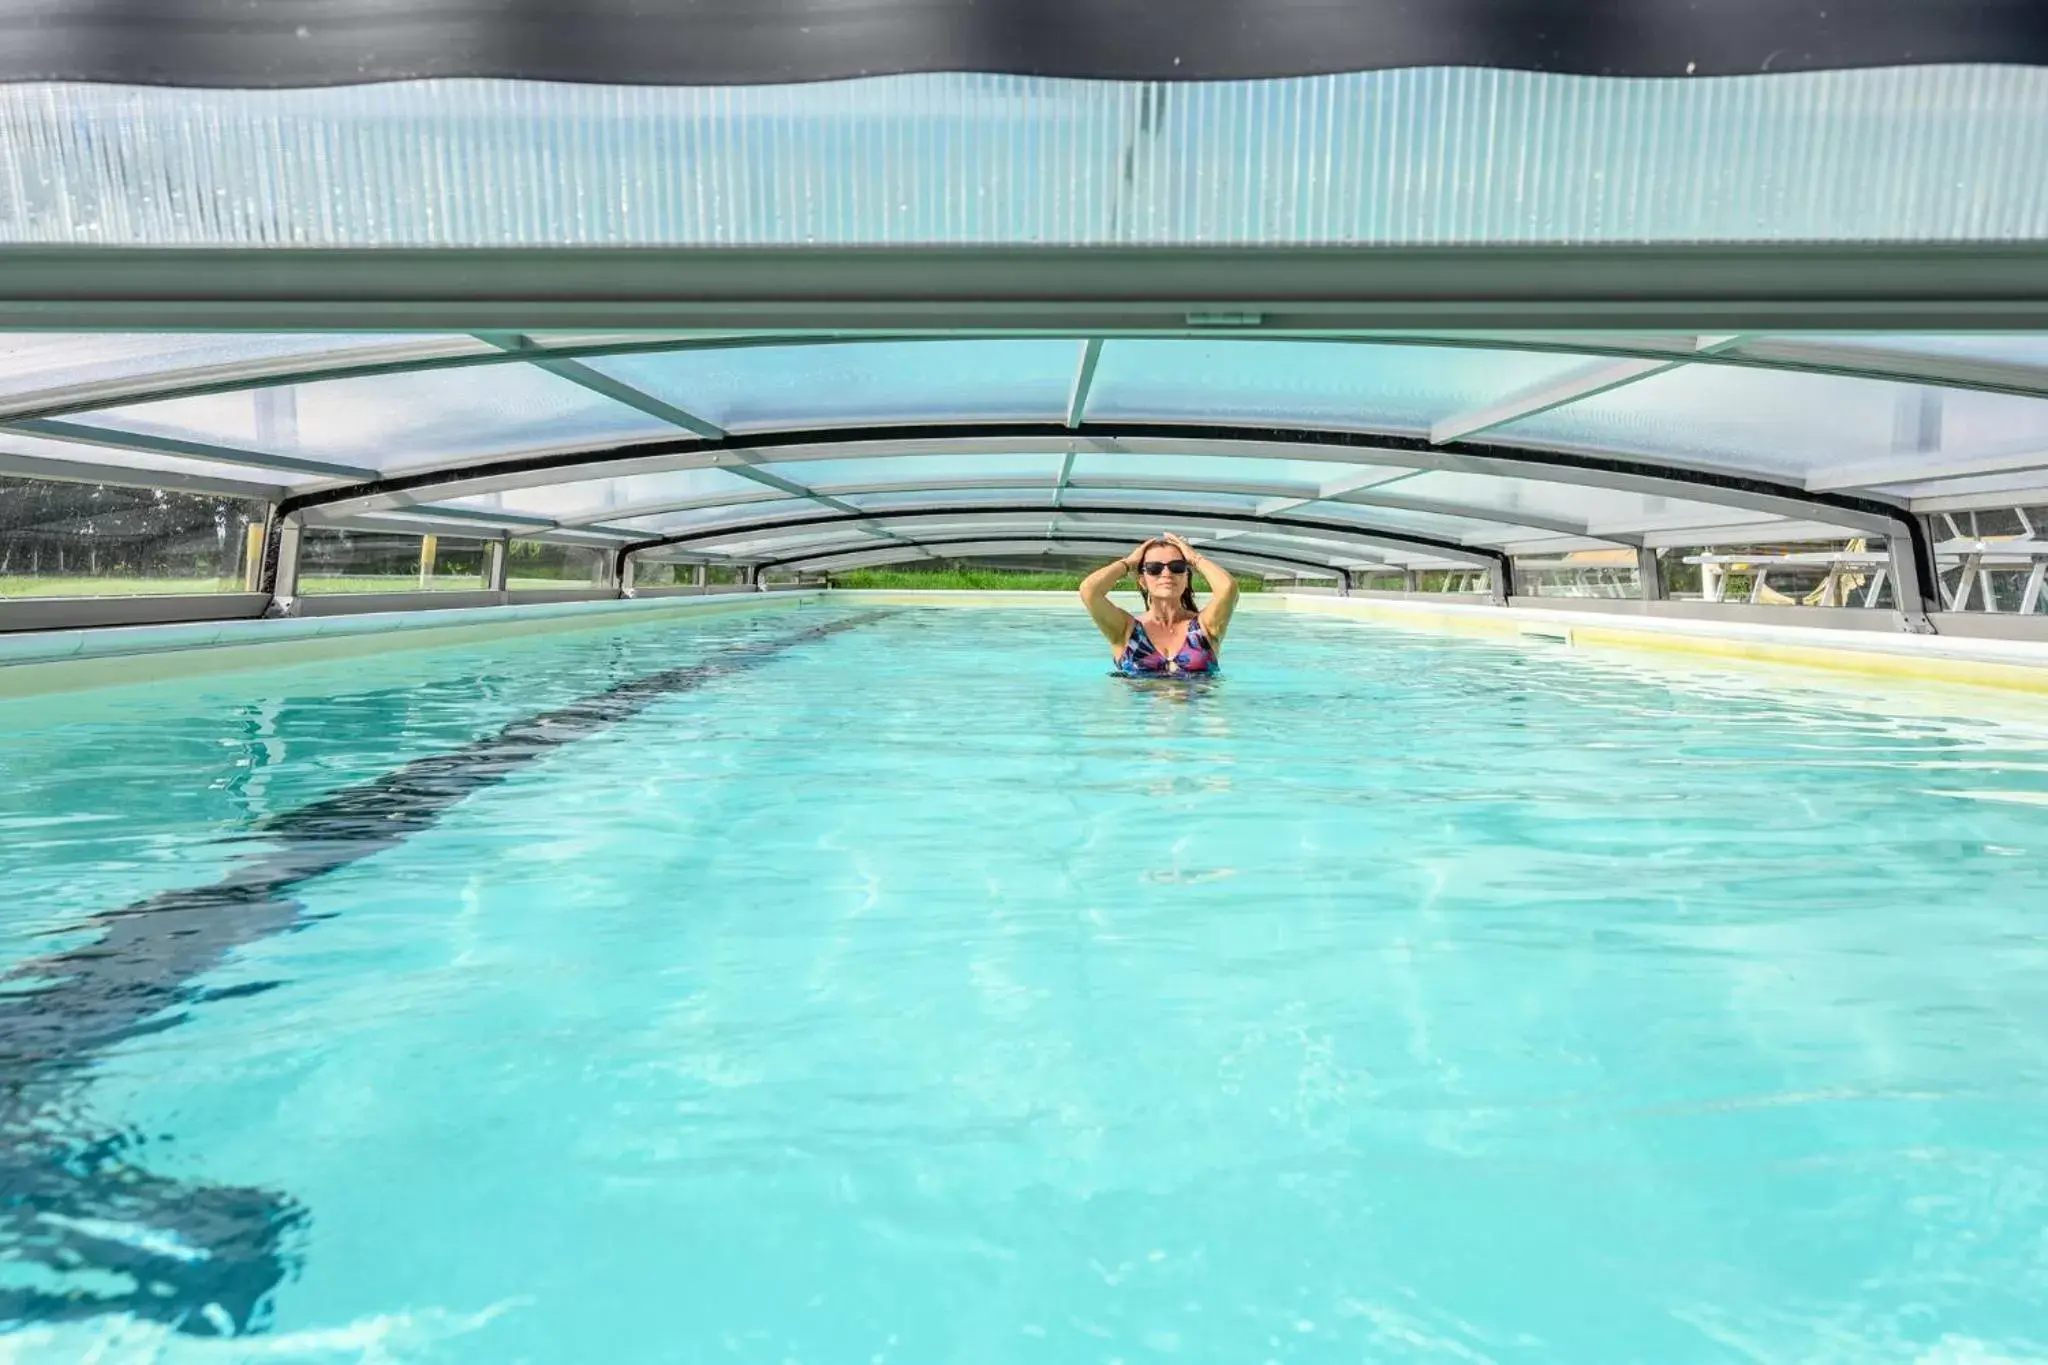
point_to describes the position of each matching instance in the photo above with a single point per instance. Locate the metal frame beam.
(975, 547)
(1491, 516)
(1019, 482)
(129, 476)
(79, 433)
(1331, 531)
(1571, 388)
(596, 381)
(1914, 471)
(194, 381)
(1084, 380)
(1119, 528)
(1745, 287)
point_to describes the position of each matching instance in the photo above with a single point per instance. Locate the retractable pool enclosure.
(1640, 310)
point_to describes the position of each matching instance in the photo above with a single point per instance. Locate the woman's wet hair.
(1187, 592)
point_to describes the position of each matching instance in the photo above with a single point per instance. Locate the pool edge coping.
(39, 663)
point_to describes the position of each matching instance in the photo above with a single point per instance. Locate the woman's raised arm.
(1112, 620)
(1222, 589)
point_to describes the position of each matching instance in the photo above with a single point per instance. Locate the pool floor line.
(206, 1259)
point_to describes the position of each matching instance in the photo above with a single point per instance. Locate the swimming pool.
(848, 983)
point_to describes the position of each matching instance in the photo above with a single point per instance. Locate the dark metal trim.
(1333, 530)
(41, 614)
(225, 43)
(1069, 291)
(83, 434)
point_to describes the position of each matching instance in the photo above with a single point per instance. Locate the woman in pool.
(1173, 635)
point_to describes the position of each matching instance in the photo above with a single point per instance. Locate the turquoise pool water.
(912, 991)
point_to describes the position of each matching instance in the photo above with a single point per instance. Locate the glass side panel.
(335, 559)
(88, 540)
(844, 384)
(541, 566)
(36, 362)
(1724, 416)
(1307, 383)
(398, 421)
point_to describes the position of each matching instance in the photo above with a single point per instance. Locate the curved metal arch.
(1606, 469)
(965, 483)
(1477, 556)
(607, 518)
(1748, 491)
(905, 553)
(1110, 530)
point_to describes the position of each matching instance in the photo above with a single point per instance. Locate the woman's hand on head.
(1187, 551)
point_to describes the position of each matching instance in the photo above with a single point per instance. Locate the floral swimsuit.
(1141, 656)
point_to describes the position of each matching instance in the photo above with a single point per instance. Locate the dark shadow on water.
(74, 1203)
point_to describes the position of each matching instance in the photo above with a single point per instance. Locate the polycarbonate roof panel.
(44, 362)
(395, 421)
(705, 518)
(1405, 156)
(1595, 508)
(872, 382)
(1305, 477)
(1239, 503)
(1992, 348)
(1402, 519)
(1781, 423)
(129, 466)
(1308, 383)
(2024, 488)
(935, 469)
(608, 499)
(963, 498)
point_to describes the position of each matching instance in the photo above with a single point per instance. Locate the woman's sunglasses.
(1155, 567)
